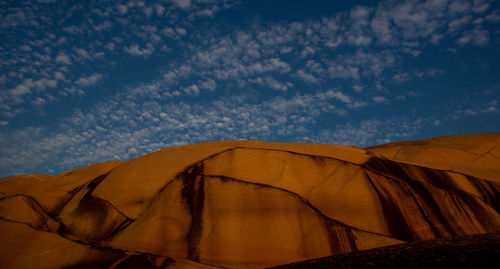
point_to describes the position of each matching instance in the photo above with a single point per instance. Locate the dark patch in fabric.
(193, 196)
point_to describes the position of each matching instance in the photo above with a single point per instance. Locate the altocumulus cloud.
(92, 82)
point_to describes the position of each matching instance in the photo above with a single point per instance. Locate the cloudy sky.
(90, 81)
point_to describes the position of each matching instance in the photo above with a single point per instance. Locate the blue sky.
(83, 82)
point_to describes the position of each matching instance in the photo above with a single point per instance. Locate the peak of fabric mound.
(247, 204)
(474, 154)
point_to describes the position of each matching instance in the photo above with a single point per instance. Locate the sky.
(83, 82)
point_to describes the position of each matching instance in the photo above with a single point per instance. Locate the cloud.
(112, 128)
(336, 70)
(122, 9)
(82, 54)
(492, 106)
(456, 24)
(44, 83)
(369, 132)
(192, 90)
(181, 31)
(135, 50)
(277, 85)
(339, 96)
(401, 77)
(159, 10)
(307, 51)
(380, 99)
(459, 7)
(485, 107)
(25, 88)
(104, 26)
(307, 77)
(88, 81)
(357, 88)
(273, 64)
(13, 18)
(207, 12)
(480, 6)
(38, 101)
(73, 29)
(184, 4)
(80, 40)
(394, 23)
(475, 37)
(359, 40)
(209, 84)
(360, 14)
(22, 89)
(276, 77)
(63, 58)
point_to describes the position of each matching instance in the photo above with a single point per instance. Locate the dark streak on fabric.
(193, 196)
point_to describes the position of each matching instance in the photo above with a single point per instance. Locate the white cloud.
(73, 29)
(89, 80)
(184, 4)
(494, 17)
(357, 88)
(475, 37)
(209, 85)
(360, 13)
(169, 32)
(44, 83)
(339, 71)
(14, 18)
(59, 76)
(321, 52)
(273, 64)
(22, 89)
(277, 85)
(72, 91)
(480, 6)
(307, 77)
(136, 127)
(457, 24)
(359, 39)
(380, 99)
(159, 10)
(307, 51)
(135, 50)
(278, 65)
(192, 90)
(181, 31)
(492, 106)
(148, 11)
(26, 88)
(104, 26)
(207, 12)
(38, 101)
(149, 125)
(401, 77)
(459, 7)
(122, 9)
(63, 58)
(395, 23)
(369, 132)
(82, 53)
(339, 96)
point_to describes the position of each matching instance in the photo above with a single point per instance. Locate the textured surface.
(469, 251)
(246, 204)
